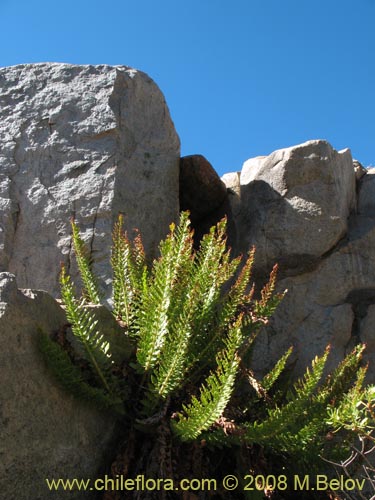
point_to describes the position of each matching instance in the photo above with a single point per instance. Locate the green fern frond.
(127, 264)
(215, 393)
(173, 364)
(282, 419)
(171, 370)
(213, 266)
(96, 348)
(183, 246)
(153, 317)
(355, 411)
(193, 322)
(338, 383)
(299, 426)
(70, 377)
(272, 376)
(212, 270)
(139, 252)
(236, 298)
(158, 299)
(188, 320)
(90, 286)
(305, 386)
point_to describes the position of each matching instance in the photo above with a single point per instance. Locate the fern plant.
(189, 319)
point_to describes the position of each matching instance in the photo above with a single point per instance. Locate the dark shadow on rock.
(201, 189)
(205, 196)
(280, 233)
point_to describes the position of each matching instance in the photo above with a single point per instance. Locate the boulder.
(86, 142)
(295, 203)
(45, 432)
(201, 189)
(312, 210)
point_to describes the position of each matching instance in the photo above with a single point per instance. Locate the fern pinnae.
(359, 382)
(139, 253)
(183, 244)
(121, 264)
(229, 308)
(212, 269)
(172, 367)
(70, 378)
(90, 286)
(159, 301)
(153, 320)
(269, 301)
(83, 328)
(268, 289)
(305, 386)
(280, 419)
(215, 393)
(339, 381)
(271, 377)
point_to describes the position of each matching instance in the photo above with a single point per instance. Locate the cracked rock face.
(87, 142)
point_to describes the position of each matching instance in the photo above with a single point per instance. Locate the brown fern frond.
(269, 287)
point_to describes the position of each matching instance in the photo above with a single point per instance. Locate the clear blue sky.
(241, 78)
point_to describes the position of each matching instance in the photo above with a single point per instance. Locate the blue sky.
(241, 78)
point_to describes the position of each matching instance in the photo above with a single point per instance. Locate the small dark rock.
(201, 189)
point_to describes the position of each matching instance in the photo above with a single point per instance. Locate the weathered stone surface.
(82, 141)
(295, 203)
(299, 207)
(367, 335)
(366, 197)
(359, 170)
(232, 183)
(201, 189)
(328, 305)
(309, 329)
(232, 208)
(45, 433)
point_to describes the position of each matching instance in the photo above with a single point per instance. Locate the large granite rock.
(300, 208)
(295, 203)
(45, 432)
(87, 142)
